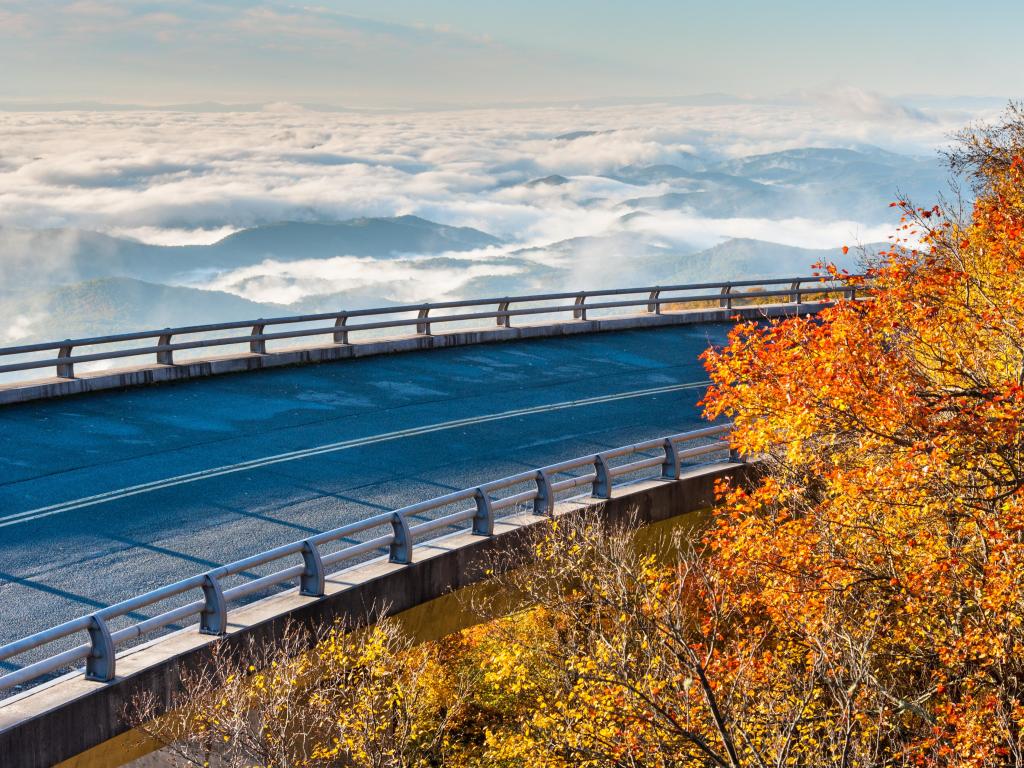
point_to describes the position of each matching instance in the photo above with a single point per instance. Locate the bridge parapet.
(439, 324)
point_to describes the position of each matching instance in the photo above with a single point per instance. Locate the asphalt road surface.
(107, 495)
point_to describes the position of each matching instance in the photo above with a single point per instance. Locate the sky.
(414, 54)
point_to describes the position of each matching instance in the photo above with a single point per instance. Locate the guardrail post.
(100, 663)
(424, 326)
(654, 306)
(504, 321)
(796, 297)
(65, 370)
(602, 488)
(734, 455)
(258, 346)
(401, 547)
(851, 294)
(544, 504)
(214, 618)
(165, 356)
(312, 582)
(726, 301)
(579, 311)
(483, 520)
(340, 332)
(670, 465)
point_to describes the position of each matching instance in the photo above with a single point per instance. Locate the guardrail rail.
(652, 300)
(310, 564)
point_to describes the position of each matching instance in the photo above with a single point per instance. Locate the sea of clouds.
(175, 178)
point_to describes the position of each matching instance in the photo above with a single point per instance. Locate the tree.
(335, 697)
(891, 513)
(640, 657)
(861, 603)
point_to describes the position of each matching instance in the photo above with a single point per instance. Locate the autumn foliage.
(884, 543)
(860, 603)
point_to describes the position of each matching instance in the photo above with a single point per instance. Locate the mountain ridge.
(76, 255)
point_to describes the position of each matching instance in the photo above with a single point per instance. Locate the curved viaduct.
(108, 495)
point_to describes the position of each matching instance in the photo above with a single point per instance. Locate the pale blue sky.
(468, 52)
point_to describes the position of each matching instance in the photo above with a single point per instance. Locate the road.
(103, 496)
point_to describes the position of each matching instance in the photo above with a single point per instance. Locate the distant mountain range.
(61, 256)
(629, 258)
(742, 258)
(111, 305)
(719, 195)
(117, 304)
(65, 282)
(379, 238)
(652, 174)
(604, 261)
(809, 183)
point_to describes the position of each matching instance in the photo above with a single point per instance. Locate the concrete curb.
(20, 392)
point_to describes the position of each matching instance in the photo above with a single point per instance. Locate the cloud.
(191, 177)
(99, 170)
(858, 104)
(139, 52)
(800, 232)
(311, 24)
(602, 152)
(21, 255)
(172, 236)
(20, 327)
(400, 280)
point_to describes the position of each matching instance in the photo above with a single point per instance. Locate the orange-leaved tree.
(888, 527)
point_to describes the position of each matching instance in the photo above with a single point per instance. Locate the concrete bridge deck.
(106, 495)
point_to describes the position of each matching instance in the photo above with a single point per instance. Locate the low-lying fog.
(125, 215)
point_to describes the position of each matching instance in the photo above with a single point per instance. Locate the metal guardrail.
(99, 653)
(651, 298)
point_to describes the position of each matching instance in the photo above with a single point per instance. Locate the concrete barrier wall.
(71, 716)
(17, 392)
